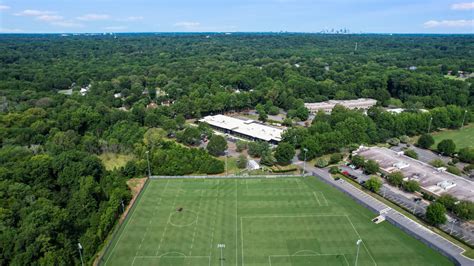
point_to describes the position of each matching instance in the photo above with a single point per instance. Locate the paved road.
(413, 228)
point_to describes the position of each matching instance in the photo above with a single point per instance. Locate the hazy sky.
(375, 16)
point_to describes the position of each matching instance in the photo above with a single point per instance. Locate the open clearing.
(284, 221)
(461, 137)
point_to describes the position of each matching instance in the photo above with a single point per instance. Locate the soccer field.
(290, 221)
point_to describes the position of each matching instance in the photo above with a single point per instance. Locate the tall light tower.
(429, 125)
(79, 247)
(464, 118)
(358, 247)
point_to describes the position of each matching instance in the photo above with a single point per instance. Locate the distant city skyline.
(361, 16)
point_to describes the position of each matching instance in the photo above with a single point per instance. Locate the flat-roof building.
(248, 129)
(327, 106)
(432, 180)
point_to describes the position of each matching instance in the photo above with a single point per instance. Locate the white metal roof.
(246, 127)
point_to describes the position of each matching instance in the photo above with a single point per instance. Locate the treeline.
(50, 202)
(345, 128)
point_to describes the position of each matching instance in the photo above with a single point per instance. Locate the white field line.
(296, 216)
(128, 222)
(320, 194)
(309, 255)
(236, 226)
(196, 224)
(316, 197)
(363, 243)
(166, 226)
(170, 257)
(213, 224)
(148, 226)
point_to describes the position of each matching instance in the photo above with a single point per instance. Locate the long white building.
(327, 106)
(248, 129)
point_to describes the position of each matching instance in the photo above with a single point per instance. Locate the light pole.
(464, 119)
(452, 226)
(148, 161)
(79, 247)
(221, 246)
(123, 206)
(429, 125)
(226, 172)
(358, 246)
(304, 162)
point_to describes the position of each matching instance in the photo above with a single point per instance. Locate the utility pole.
(304, 162)
(79, 247)
(148, 161)
(429, 125)
(464, 119)
(358, 246)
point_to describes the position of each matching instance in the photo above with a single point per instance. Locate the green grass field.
(291, 221)
(462, 137)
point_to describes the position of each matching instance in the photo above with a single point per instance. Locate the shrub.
(466, 155)
(258, 148)
(437, 163)
(321, 163)
(411, 154)
(425, 141)
(404, 139)
(334, 170)
(447, 147)
(393, 141)
(454, 170)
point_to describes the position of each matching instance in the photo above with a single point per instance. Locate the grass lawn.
(287, 221)
(114, 160)
(462, 137)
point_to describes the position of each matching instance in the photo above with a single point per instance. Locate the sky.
(359, 16)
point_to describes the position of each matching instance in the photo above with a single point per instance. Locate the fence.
(222, 177)
(118, 227)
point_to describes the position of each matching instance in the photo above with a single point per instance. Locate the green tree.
(436, 213)
(373, 184)
(321, 162)
(447, 147)
(465, 210)
(411, 186)
(190, 136)
(284, 153)
(358, 161)
(426, 141)
(217, 145)
(242, 162)
(448, 201)
(241, 145)
(335, 158)
(371, 167)
(395, 179)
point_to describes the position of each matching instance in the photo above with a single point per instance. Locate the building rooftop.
(362, 103)
(245, 127)
(431, 179)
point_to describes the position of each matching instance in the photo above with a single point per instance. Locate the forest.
(64, 100)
